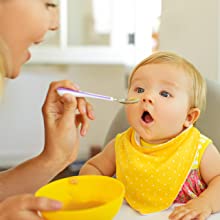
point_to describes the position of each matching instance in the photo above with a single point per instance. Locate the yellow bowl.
(84, 197)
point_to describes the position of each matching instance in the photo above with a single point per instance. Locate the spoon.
(78, 93)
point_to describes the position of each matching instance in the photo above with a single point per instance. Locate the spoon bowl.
(128, 101)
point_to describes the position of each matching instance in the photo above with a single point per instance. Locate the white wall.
(191, 29)
(21, 127)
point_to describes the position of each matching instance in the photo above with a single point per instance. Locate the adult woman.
(23, 23)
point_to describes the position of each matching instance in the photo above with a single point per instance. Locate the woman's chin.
(12, 74)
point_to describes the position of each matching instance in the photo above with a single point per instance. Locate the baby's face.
(164, 92)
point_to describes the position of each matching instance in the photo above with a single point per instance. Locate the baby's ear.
(192, 117)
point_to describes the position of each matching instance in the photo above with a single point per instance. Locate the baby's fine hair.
(198, 82)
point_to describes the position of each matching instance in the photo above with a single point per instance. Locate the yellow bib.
(154, 175)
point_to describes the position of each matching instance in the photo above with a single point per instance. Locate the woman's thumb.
(44, 204)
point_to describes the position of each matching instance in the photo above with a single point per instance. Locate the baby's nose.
(147, 98)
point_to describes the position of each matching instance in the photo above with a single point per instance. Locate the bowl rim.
(121, 195)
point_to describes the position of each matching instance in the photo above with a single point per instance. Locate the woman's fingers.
(69, 106)
(30, 202)
(61, 111)
(44, 204)
(82, 120)
(26, 207)
(85, 112)
(85, 108)
(90, 111)
(52, 93)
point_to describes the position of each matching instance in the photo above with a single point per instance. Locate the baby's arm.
(101, 164)
(208, 201)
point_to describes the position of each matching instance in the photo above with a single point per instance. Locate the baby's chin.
(151, 139)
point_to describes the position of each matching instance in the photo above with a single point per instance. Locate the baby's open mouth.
(146, 117)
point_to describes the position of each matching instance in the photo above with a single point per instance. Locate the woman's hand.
(61, 143)
(61, 122)
(26, 207)
(198, 208)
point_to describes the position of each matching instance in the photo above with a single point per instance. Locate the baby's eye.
(165, 94)
(140, 90)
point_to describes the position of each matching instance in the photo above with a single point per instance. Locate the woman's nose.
(54, 19)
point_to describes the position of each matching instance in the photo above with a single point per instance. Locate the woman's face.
(22, 24)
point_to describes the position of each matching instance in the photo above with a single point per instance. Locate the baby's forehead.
(173, 76)
(160, 71)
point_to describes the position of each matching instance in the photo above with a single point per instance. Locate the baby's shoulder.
(210, 163)
(203, 143)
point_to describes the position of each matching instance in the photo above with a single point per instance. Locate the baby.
(162, 158)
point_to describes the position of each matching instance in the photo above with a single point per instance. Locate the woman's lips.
(28, 56)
